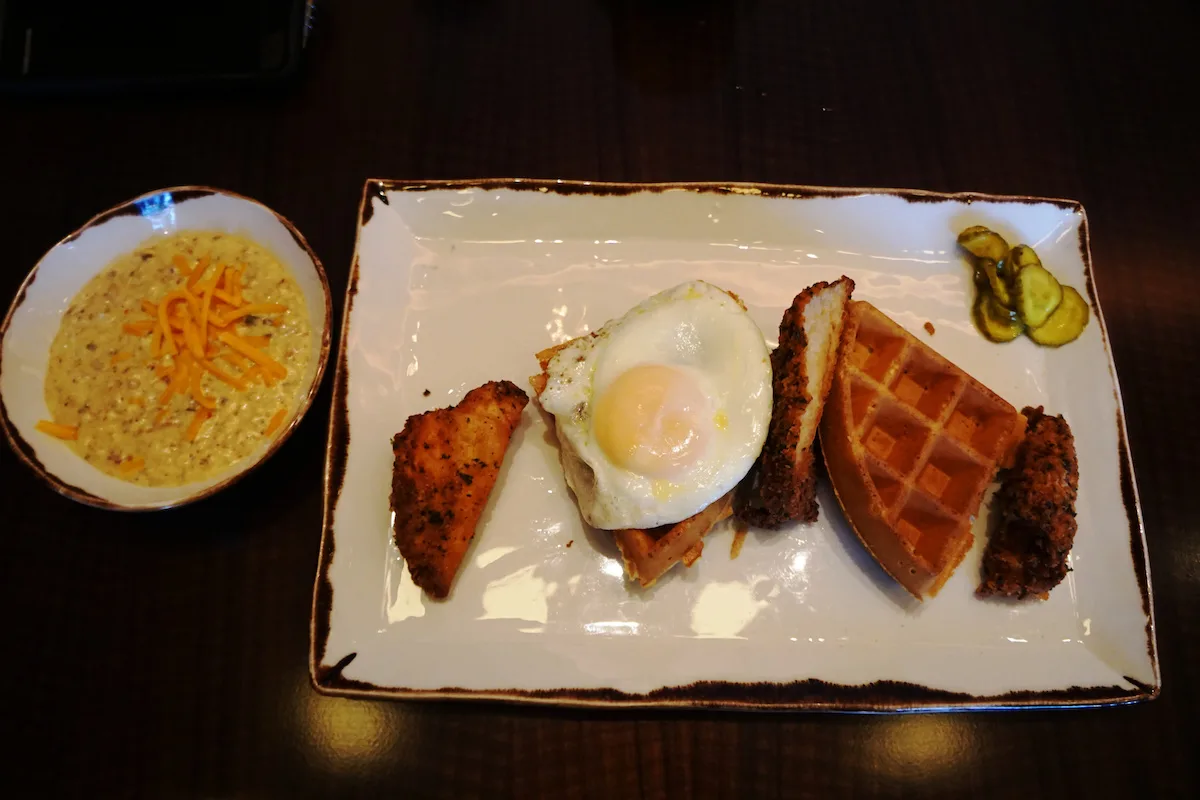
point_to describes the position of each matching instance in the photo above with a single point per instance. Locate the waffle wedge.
(911, 443)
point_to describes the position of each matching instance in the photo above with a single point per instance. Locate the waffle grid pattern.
(930, 436)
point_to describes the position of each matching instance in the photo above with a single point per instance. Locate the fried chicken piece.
(1027, 554)
(781, 486)
(446, 463)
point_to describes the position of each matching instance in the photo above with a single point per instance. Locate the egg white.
(697, 328)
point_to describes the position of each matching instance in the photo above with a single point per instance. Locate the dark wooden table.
(165, 654)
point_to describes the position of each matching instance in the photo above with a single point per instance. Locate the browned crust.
(648, 554)
(1027, 554)
(865, 511)
(781, 486)
(446, 464)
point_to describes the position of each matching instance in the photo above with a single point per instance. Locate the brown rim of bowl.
(25, 451)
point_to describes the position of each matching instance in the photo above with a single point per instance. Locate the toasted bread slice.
(648, 554)
(781, 487)
(446, 463)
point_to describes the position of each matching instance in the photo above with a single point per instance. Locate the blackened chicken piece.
(1027, 554)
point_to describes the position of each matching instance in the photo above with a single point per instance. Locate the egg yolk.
(652, 420)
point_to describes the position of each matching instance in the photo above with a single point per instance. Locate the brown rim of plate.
(25, 451)
(801, 695)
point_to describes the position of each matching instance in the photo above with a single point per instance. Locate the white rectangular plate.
(456, 284)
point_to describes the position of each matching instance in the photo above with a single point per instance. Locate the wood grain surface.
(164, 655)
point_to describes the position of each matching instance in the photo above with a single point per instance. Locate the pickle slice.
(994, 321)
(995, 281)
(983, 242)
(1066, 323)
(980, 277)
(1038, 295)
(1019, 257)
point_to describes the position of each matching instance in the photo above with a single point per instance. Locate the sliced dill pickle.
(983, 242)
(1038, 295)
(980, 277)
(994, 321)
(995, 281)
(1021, 256)
(1066, 323)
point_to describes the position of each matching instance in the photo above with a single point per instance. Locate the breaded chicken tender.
(446, 463)
(781, 487)
(1027, 554)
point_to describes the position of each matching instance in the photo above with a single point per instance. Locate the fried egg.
(662, 411)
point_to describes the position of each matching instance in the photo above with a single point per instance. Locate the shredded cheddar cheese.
(254, 354)
(192, 326)
(58, 431)
(190, 356)
(275, 422)
(131, 465)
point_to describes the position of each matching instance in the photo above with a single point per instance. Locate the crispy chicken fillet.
(1027, 555)
(781, 486)
(446, 463)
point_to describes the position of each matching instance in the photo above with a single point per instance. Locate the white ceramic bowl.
(33, 320)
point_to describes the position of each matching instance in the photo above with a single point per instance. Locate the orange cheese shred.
(257, 356)
(191, 335)
(198, 419)
(196, 324)
(164, 323)
(197, 388)
(275, 421)
(198, 273)
(235, 358)
(132, 465)
(206, 303)
(68, 432)
(225, 297)
(220, 374)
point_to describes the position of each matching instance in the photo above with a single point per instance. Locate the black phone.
(81, 45)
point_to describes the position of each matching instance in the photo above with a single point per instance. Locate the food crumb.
(929, 327)
(739, 538)
(570, 543)
(425, 393)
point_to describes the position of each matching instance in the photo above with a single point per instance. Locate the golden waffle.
(911, 443)
(649, 554)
